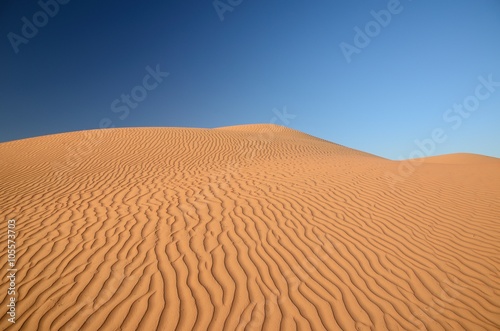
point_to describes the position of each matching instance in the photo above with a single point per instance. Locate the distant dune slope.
(462, 158)
(245, 228)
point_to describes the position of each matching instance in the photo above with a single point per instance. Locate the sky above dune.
(397, 79)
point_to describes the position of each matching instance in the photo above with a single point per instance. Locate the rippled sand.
(245, 228)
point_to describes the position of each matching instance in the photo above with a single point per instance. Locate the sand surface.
(245, 228)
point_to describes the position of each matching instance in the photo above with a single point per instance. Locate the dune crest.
(462, 158)
(244, 228)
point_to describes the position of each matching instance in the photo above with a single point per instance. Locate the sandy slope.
(462, 158)
(250, 227)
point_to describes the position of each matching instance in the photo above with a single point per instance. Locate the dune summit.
(244, 228)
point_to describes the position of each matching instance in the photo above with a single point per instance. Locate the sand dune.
(462, 158)
(244, 228)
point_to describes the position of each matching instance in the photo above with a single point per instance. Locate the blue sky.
(261, 58)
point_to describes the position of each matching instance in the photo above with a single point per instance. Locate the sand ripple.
(245, 228)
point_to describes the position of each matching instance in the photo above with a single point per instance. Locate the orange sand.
(245, 228)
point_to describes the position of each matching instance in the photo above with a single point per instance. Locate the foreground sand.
(250, 227)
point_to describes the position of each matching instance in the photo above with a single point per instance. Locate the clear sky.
(371, 75)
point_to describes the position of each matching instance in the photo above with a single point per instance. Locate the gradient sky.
(262, 58)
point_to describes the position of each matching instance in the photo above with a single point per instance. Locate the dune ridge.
(462, 158)
(244, 228)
